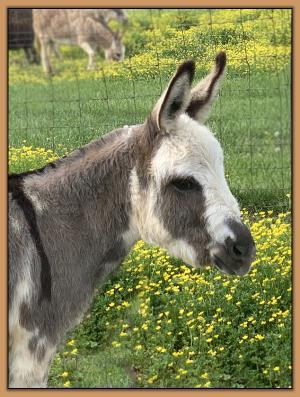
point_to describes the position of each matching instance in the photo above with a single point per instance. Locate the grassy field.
(157, 322)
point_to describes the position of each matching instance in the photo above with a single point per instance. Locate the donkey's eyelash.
(185, 184)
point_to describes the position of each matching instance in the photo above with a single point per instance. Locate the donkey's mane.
(83, 172)
(100, 147)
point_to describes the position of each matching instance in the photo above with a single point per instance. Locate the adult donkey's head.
(180, 197)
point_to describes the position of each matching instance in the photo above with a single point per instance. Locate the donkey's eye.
(185, 184)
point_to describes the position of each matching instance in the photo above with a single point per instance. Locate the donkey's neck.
(104, 34)
(89, 190)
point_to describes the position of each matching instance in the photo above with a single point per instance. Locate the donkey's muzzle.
(236, 254)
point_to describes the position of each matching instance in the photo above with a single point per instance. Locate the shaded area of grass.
(97, 368)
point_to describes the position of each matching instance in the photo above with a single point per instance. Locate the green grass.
(99, 368)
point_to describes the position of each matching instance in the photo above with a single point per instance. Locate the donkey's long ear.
(176, 97)
(205, 92)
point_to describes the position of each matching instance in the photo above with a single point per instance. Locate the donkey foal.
(72, 222)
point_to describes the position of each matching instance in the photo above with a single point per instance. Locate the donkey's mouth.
(220, 265)
(237, 269)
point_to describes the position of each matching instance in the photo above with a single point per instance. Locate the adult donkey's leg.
(91, 54)
(45, 55)
(29, 359)
(56, 51)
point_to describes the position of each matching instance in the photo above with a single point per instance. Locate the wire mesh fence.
(51, 114)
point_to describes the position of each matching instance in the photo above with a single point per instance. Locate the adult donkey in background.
(72, 222)
(85, 28)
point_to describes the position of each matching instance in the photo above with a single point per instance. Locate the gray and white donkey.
(72, 222)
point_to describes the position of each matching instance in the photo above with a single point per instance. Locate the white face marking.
(192, 150)
(143, 215)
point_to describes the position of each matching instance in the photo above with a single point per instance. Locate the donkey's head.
(119, 14)
(181, 200)
(116, 51)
